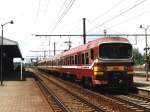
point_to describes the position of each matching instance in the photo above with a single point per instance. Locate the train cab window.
(86, 58)
(92, 53)
(83, 59)
(115, 51)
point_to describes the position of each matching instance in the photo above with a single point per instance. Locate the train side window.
(79, 59)
(92, 53)
(76, 59)
(73, 59)
(61, 61)
(83, 59)
(86, 58)
(65, 60)
(70, 60)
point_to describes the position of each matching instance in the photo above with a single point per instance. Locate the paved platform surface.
(141, 73)
(22, 96)
(141, 82)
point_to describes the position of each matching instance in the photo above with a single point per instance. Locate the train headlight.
(98, 70)
(98, 73)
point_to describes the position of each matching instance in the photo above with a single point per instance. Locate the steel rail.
(102, 101)
(77, 96)
(50, 92)
(133, 102)
(60, 103)
(113, 103)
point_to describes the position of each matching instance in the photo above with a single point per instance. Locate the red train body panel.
(104, 61)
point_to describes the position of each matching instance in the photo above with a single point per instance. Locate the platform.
(141, 73)
(22, 96)
(141, 83)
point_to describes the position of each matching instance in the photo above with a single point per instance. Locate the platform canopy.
(11, 48)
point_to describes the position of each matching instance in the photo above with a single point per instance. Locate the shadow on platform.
(16, 76)
(140, 84)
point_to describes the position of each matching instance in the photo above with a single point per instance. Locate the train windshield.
(115, 51)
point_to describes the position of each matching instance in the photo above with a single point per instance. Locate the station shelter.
(10, 50)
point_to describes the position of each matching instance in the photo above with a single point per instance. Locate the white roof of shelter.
(12, 47)
(8, 41)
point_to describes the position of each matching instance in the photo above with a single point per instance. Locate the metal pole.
(84, 31)
(146, 55)
(2, 58)
(44, 54)
(69, 42)
(54, 48)
(105, 32)
(49, 48)
(21, 70)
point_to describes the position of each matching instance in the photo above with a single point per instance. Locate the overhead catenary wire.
(58, 22)
(67, 8)
(63, 14)
(118, 15)
(129, 19)
(38, 11)
(74, 35)
(109, 10)
(65, 11)
(62, 6)
(47, 6)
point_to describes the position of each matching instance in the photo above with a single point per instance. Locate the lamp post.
(2, 25)
(146, 48)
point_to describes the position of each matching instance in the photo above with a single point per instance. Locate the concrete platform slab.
(141, 83)
(22, 96)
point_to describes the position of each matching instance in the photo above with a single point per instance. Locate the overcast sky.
(65, 17)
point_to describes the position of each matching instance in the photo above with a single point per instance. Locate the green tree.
(138, 57)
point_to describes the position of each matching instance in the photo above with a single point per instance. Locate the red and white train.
(105, 61)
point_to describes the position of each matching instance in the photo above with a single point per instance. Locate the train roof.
(90, 45)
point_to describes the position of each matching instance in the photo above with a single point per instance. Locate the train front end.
(115, 64)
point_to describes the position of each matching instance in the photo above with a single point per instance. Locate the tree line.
(138, 57)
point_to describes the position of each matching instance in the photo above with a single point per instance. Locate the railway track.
(107, 103)
(135, 101)
(63, 99)
(54, 102)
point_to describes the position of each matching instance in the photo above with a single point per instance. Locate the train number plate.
(115, 68)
